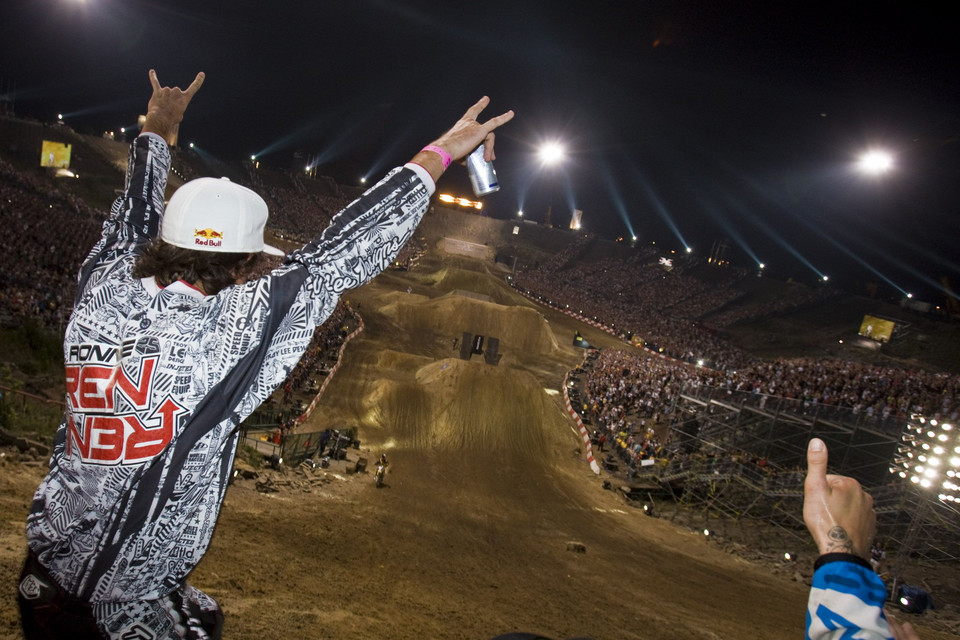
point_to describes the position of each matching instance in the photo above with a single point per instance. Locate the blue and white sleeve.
(846, 601)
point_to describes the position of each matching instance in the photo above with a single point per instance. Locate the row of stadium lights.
(929, 456)
(463, 202)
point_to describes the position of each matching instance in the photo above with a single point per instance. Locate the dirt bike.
(381, 472)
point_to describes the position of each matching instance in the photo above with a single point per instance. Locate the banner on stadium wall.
(55, 154)
(875, 328)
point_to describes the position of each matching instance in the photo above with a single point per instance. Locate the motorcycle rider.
(381, 469)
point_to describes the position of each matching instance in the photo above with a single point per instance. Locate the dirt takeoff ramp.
(455, 405)
(404, 385)
(522, 331)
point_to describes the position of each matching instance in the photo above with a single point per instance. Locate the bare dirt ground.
(470, 537)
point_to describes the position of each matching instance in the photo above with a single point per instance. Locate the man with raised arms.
(169, 347)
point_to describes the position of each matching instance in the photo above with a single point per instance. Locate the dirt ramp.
(472, 276)
(519, 329)
(449, 278)
(459, 406)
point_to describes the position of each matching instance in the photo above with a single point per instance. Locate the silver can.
(483, 177)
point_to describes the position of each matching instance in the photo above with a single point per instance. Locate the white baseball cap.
(208, 214)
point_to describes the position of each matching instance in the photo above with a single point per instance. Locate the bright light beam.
(758, 222)
(660, 208)
(618, 202)
(875, 162)
(730, 228)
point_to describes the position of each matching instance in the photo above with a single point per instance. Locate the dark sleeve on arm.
(140, 208)
(841, 557)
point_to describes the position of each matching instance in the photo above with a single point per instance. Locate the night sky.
(683, 122)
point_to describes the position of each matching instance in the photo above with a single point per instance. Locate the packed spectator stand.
(38, 266)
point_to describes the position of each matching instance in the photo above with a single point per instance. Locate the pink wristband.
(444, 156)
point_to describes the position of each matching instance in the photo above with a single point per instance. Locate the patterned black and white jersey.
(159, 378)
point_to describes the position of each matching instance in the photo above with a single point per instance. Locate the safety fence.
(27, 412)
(568, 390)
(808, 411)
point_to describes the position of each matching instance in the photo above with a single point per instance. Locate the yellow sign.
(55, 154)
(876, 328)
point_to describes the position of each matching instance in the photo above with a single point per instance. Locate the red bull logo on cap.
(207, 237)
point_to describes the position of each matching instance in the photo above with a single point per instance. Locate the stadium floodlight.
(928, 456)
(875, 162)
(551, 153)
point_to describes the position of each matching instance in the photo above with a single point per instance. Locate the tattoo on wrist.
(839, 541)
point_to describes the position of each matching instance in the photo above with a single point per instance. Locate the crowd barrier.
(29, 412)
(808, 411)
(584, 435)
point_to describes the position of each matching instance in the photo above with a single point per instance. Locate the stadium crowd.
(38, 264)
(295, 211)
(630, 394)
(635, 297)
(637, 384)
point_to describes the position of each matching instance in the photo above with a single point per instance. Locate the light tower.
(928, 462)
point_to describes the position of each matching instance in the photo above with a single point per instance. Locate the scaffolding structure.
(738, 459)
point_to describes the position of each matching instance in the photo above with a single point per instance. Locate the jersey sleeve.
(846, 601)
(261, 328)
(366, 236)
(136, 214)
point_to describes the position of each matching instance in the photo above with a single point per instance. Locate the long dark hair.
(213, 270)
